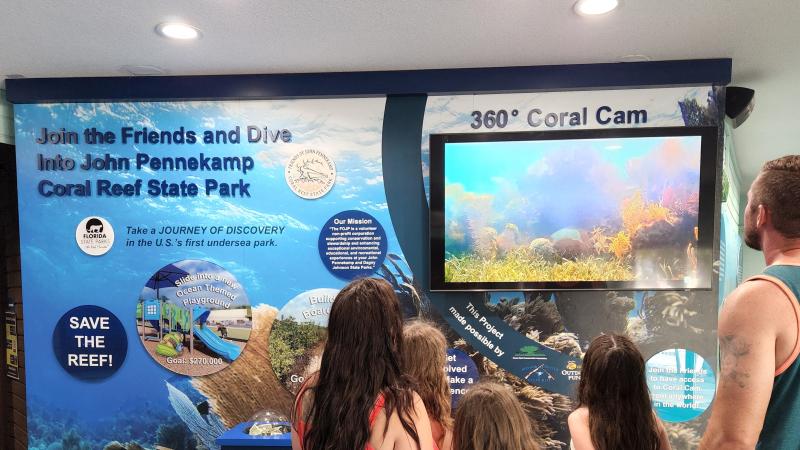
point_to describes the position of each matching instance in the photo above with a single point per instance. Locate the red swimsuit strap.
(379, 402)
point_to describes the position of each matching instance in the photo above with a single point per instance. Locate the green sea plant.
(289, 340)
(522, 265)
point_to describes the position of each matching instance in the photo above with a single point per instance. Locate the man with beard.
(758, 395)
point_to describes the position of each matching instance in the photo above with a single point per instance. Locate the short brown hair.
(778, 189)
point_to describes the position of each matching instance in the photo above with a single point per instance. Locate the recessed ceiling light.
(177, 30)
(595, 7)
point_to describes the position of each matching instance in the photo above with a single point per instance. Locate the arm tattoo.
(732, 348)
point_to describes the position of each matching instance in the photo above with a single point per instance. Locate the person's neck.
(787, 252)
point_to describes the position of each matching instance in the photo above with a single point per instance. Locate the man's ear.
(763, 216)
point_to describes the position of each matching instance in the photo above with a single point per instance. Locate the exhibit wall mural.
(179, 260)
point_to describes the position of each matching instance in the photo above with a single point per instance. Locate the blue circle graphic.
(352, 244)
(462, 373)
(90, 342)
(682, 384)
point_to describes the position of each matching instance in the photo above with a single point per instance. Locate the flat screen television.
(616, 209)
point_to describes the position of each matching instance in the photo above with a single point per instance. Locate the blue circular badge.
(352, 244)
(681, 383)
(462, 373)
(90, 342)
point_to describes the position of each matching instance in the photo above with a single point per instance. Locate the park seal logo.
(94, 236)
(310, 174)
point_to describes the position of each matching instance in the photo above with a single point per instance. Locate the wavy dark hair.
(614, 390)
(362, 360)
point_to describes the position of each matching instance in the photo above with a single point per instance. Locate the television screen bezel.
(709, 149)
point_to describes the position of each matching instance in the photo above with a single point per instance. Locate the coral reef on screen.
(624, 210)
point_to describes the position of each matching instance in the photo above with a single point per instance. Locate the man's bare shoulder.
(755, 299)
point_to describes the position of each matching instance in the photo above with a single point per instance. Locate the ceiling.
(53, 38)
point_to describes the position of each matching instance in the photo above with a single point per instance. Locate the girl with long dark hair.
(360, 398)
(614, 410)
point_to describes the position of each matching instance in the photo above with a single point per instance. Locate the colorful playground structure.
(174, 323)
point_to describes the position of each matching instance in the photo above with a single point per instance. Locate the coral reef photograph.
(568, 321)
(576, 210)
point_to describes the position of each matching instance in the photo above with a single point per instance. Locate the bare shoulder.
(579, 417)
(747, 294)
(753, 303)
(580, 435)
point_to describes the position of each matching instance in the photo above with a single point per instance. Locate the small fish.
(203, 407)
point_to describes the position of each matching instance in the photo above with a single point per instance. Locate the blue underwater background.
(134, 403)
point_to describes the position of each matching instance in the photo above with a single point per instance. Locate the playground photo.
(193, 317)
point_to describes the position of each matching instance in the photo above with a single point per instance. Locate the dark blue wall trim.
(356, 84)
(402, 179)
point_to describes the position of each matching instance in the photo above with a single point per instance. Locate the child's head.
(489, 417)
(613, 388)
(613, 370)
(424, 359)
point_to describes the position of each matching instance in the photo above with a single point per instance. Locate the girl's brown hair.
(614, 390)
(362, 360)
(424, 359)
(489, 417)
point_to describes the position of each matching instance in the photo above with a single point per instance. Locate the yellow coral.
(656, 212)
(620, 245)
(637, 213)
